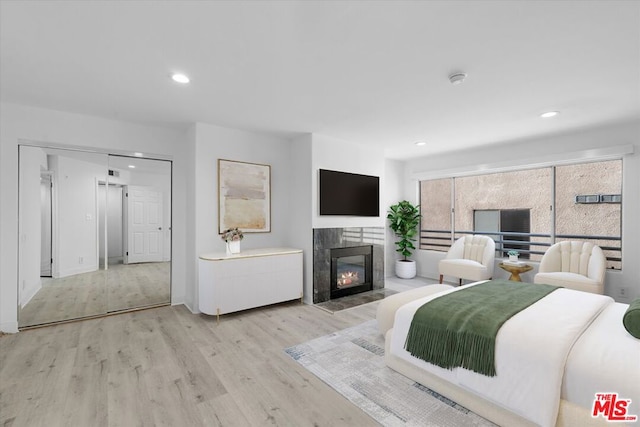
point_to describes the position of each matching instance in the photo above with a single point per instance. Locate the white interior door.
(144, 234)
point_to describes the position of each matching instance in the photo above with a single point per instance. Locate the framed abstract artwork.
(244, 196)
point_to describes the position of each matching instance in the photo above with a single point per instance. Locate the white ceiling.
(365, 72)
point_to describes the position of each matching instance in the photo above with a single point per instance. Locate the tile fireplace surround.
(325, 239)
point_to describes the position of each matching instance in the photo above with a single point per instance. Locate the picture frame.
(244, 196)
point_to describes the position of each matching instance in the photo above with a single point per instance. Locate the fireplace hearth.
(347, 261)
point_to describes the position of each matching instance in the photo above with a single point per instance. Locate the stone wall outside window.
(531, 189)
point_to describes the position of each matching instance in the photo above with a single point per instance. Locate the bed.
(551, 358)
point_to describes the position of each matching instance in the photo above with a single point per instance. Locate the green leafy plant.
(404, 219)
(513, 253)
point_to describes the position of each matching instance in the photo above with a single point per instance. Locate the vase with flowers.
(232, 237)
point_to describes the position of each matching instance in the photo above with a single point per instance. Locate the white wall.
(215, 142)
(189, 178)
(33, 161)
(54, 127)
(334, 154)
(394, 186)
(300, 220)
(585, 145)
(76, 216)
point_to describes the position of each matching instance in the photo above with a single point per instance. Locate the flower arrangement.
(232, 235)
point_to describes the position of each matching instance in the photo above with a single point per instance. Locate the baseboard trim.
(29, 293)
(9, 327)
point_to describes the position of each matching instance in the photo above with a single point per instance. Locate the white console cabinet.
(252, 278)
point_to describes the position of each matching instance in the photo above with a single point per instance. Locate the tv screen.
(343, 193)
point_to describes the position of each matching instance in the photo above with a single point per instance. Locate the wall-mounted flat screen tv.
(343, 193)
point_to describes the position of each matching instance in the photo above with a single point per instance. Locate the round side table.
(515, 270)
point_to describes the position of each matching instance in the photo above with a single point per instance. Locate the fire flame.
(347, 278)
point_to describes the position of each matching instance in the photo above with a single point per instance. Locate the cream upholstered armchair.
(471, 258)
(574, 265)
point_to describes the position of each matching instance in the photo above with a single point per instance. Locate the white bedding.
(605, 359)
(531, 350)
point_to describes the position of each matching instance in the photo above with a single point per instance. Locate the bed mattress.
(605, 359)
(531, 350)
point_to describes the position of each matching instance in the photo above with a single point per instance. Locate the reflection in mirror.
(59, 277)
(95, 234)
(138, 233)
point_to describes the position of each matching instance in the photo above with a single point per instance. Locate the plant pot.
(233, 247)
(406, 269)
(513, 258)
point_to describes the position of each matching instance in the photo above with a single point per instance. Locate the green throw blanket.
(459, 329)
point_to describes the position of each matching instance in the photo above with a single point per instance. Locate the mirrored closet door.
(138, 233)
(95, 234)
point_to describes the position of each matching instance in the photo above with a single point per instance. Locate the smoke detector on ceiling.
(457, 78)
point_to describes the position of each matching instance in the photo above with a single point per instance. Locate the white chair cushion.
(575, 256)
(474, 247)
(573, 264)
(387, 308)
(574, 281)
(470, 257)
(465, 268)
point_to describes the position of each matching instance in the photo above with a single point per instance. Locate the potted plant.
(232, 237)
(513, 255)
(404, 219)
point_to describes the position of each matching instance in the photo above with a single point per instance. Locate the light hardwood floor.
(121, 287)
(169, 367)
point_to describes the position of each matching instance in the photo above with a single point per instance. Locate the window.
(599, 222)
(505, 221)
(436, 214)
(517, 208)
(508, 193)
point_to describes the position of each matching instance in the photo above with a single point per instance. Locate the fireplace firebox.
(327, 239)
(351, 270)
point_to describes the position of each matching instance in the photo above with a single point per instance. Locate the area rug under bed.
(351, 361)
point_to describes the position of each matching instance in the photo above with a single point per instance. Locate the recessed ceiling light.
(180, 78)
(420, 143)
(138, 154)
(549, 114)
(132, 166)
